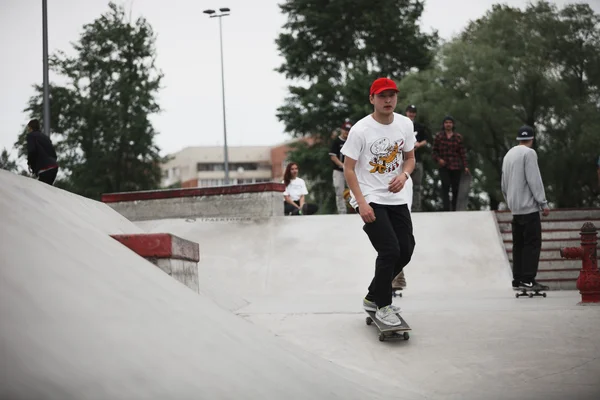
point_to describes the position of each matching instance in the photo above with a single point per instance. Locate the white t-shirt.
(377, 149)
(296, 189)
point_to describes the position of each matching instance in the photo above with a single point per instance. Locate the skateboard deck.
(464, 187)
(529, 292)
(387, 331)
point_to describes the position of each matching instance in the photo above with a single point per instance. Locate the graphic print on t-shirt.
(387, 156)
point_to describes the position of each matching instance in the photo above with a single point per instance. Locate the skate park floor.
(278, 313)
(303, 278)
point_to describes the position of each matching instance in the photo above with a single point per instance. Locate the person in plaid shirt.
(450, 154)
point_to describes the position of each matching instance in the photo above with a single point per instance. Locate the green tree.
(511, 67)
(7, 163)
(100, 115)
(333, 51)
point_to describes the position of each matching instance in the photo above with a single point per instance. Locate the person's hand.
(397, 183)
(546, 212)
(441, 162)
(366, 213)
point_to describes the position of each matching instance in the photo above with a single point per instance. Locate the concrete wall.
(240, 201)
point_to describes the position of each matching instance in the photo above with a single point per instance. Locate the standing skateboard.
(387, 331)
(464, 187)
(529, 292)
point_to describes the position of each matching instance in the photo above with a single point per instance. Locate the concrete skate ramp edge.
(325, 255)
(84, 317)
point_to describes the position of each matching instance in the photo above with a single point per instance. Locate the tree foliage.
(333, 51)
(538, 66)
(100, 115)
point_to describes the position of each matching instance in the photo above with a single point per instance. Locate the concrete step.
(551, 244)
(555, 224)
(559, 284)
(551, 234)
(560, 214)
(569, 273)
(549, 264)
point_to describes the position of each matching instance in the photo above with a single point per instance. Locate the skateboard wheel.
(369, 321)
(406, 336)
(517, 295)
(530, 295)
(543, 294)
(381, 337)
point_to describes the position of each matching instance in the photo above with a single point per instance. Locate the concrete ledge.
(193, 192)
(261, 200)
(175, 256)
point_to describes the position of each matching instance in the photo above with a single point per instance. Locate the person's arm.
(30, 151)
(288, 199)
(336, 160)
(463, 155)
(302, 201)
(365, 210)
(397, 182)
(534, 180)
(435, 154)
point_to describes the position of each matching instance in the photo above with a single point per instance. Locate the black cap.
(525, 133)
(412, 108)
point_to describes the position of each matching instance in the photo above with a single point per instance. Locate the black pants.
(48, 176)
(450, 180)
(307, 209)
(527, 243)
(392, 236)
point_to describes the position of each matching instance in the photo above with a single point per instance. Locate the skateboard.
(529, 292)
(387, 331)
(397, 292)
(463, 192)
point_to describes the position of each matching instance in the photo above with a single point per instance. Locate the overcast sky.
(188, 54)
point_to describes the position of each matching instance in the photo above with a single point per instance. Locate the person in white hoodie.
(523, 190)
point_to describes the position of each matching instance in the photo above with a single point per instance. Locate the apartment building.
(203, 166)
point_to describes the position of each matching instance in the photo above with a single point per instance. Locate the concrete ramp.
(322, 255)
(82, 317)
(303, 278)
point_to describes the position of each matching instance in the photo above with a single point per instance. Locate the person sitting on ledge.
(295, 190)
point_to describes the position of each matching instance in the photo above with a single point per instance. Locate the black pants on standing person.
(391, 234)
(450, 180)
(527, 244)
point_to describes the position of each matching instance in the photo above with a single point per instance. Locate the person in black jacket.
(41, 156)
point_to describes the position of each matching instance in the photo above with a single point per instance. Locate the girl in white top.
(295, 190)
(379, 158)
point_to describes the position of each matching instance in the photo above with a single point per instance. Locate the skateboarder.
(379, 158)
(337, 160)
(450, 154)
(524, 193)
(41, 156)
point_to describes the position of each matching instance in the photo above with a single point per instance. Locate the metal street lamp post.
(45, 67)
(212, 14)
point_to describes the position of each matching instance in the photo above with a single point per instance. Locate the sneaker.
(388, 316)
(515, 284)
(399, 281)
(397, 310)
(369, 305)
(525, 285)
(539, 286)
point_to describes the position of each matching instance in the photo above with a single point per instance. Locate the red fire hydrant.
(588, 282)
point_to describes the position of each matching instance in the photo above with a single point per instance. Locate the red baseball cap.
(381, 84)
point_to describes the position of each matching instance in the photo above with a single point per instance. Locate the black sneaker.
(526, 285)
(515, 284)
(539, 286)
